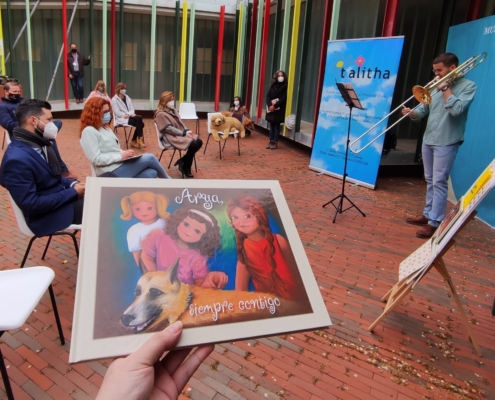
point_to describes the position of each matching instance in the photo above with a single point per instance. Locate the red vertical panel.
(390, 18)
(112, 51)
(66, 50)
(474, 10)
(264, 49)
(221, 29)
(323, 61)
(252, 46)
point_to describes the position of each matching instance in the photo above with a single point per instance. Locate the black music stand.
(350, 97)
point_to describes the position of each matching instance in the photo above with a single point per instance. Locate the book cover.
(224, 257)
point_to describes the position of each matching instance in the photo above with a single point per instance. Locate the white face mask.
(50, 131)
(170, 104)
(236, 102)
(122, 91)
(280, 79)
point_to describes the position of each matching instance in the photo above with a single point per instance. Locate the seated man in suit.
(31, 173)
(8, 105)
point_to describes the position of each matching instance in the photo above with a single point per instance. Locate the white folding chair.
(20, 292)
(187, 112)
(6, 138)
(127, 136)
(234, 133)
(21, 223)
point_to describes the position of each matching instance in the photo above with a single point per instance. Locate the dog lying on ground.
(161, 299)
(246, 122)
(221, 124)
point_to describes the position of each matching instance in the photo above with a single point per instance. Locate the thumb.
(152, 350)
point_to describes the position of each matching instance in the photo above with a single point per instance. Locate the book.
(273, 102)
(222, 256)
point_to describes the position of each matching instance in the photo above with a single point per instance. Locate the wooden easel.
(395, 295)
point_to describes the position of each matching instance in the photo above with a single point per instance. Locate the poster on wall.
(224, 257)
(371, 66)
(478, 149)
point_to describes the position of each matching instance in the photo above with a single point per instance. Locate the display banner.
(467, 40)
(371, 66)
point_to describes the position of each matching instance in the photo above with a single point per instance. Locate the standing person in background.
(276, 100)
(100, 90)
(76, 62)
(444, 134)
(124, 114)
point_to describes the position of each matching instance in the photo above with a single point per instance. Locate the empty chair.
(187, 111)
(21, 222)
(127, 130)
(20, 292)
(220, 148)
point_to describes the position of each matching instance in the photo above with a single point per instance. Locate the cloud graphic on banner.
(319, 163)
(335, 47)
(387, 83)
(325, 123)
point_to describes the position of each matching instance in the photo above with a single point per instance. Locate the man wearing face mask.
(8, 120)
(76, 62)
(31, 173)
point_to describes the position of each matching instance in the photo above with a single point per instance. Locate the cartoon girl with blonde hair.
(192, 236)
(263, 256)
(150, 209)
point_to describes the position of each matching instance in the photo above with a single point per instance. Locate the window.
(36, 53)
(203, 60)
(130, 57)
(158, 57)
(98, 54)
(227, 62)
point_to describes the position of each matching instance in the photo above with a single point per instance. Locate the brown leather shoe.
(135, 144)
(273, 146)
(269, 145)
(422, 220)
(426, 232)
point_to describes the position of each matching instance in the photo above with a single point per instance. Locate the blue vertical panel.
(478, 149)
(371, 66)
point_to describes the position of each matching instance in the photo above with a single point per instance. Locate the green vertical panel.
(190, 54)
(284, 54)
(176, 46)
(277, 32)
(12, 72)
(29, 51)
(257, 56)
(236, 51)
(152, 53)
(334, 25)
(104, 40)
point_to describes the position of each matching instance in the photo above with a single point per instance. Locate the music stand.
(351, 99)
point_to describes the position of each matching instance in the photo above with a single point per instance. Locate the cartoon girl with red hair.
(263, 256)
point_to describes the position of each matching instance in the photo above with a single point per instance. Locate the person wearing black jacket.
(276, 100)
(76, 62)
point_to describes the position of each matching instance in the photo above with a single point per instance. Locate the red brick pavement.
(420, 351)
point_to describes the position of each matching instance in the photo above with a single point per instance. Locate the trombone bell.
(421, 94)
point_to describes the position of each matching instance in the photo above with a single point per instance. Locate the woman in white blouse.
(124, 114)
(102, 147)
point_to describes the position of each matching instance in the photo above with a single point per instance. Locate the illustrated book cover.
(222, 256)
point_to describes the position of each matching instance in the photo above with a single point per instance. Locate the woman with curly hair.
(262, 256)
(192, 236)
(102, 147)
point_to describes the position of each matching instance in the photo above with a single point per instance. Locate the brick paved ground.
(420, 351)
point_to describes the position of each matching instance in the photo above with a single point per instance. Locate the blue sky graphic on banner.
(478, 150)
(371, 66)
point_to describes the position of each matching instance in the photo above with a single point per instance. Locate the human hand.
(191, 135)
(144, 374)
(126, 116)
(71, 76)
(127, 154)
(80, 189)
(405, 110)
(89, 57)
(215, 280)
(274, 101)
(271, 108)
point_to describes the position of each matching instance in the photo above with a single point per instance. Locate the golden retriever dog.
(221, 124)
(246, 122)
(161, 299)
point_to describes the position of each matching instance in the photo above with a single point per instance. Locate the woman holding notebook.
(276, 99)
(102, 147)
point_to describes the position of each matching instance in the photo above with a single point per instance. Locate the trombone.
(423, 94)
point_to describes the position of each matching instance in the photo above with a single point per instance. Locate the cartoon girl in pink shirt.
(192, 236)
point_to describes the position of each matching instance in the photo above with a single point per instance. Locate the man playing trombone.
(443, 135)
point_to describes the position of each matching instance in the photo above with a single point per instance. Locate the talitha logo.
(489, 29)
(362, 72)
